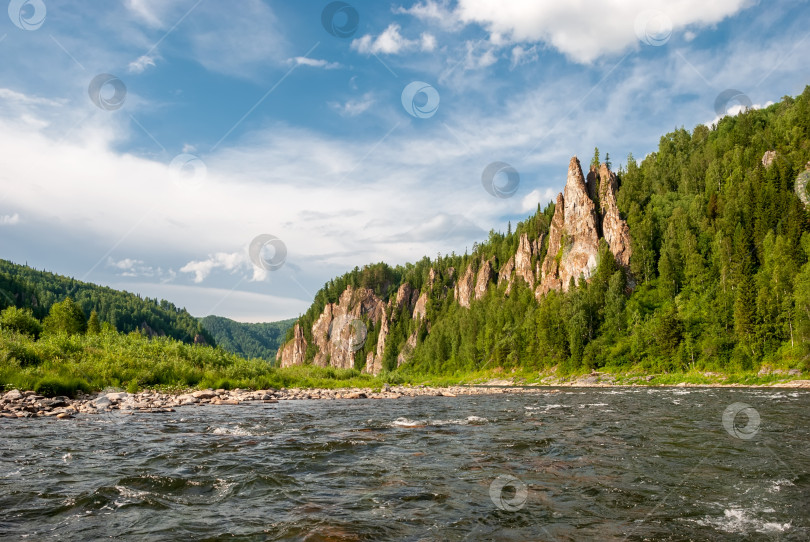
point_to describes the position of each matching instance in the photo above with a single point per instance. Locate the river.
(568, 464)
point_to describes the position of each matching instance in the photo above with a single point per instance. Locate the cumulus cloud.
(141, 64)
(530, 201)
(221, 260)
(392, 42)
(314, 63)
(582, 32)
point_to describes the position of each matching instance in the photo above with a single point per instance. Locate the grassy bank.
(64, 364)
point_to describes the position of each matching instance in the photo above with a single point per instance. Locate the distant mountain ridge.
(248, 340)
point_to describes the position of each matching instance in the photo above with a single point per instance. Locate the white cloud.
(581, 31)
(221, 260)
(315, 63)
(391, 42)
(529, 202)
(352, 108)
(428, 42)
(126, 264)
(429, 11)
(734, 110)
(24, 99)
(523, 55)
(9, 220)
(140, 64)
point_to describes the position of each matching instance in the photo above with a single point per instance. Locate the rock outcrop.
(420, 308)
(339, 331)
(465, 287)
(614, 229)
(294, 352)
(585, 212)
(505, 274)
(485, 276)
(523, 259)
(573, 236)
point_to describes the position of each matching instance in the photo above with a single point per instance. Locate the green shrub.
(20, 320)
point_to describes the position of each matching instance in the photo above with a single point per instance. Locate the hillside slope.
(247, 340)
(697, 257)
(26, 287)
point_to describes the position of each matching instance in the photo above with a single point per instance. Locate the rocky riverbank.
(28, 404)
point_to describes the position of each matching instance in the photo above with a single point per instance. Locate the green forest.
(24, 287)
(248, 340)
(719, 279)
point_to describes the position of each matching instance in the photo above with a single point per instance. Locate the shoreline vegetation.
(75, 360)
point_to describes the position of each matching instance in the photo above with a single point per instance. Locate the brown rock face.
(406, 295)
(505, 274)
(374, 359)
(768, 158)
(464, 288)
(485, 276)
(420, 309)
(339, 332)
(523, 260)
(614, 229)
(573, 236)
(294, 352)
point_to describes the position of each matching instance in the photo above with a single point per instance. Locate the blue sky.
(246, 118)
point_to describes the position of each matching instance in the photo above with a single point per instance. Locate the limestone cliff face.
(585, 212)
(573, 236)
(420, 308)
(374, 359)
(465, 287)
(523, 259)
(339, 333)
(485, 276)
(614, 229)
(505, 274)
(294, 352)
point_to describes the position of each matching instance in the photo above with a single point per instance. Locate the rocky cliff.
(585, 212)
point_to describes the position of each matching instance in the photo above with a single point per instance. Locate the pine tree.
(93, 325)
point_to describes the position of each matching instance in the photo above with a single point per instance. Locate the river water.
(573, 464)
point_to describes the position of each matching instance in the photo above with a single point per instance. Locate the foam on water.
(743, 521)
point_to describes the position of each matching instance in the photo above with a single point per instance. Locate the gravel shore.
(28, 404)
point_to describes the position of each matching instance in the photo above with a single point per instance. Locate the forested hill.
(248, 340)
(716, 276)
(26, 287)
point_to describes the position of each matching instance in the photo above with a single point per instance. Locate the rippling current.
(575, 464)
